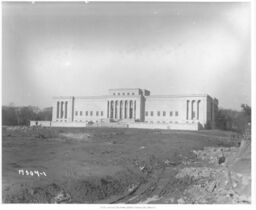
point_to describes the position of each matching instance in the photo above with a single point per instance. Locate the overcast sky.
(78, 49)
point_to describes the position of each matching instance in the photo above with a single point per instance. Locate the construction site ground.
(121, 165)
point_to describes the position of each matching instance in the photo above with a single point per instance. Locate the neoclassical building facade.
(136, 106)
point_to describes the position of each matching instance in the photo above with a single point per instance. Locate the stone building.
(135, 106)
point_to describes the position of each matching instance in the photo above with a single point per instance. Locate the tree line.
(227, 119)
(16, 115)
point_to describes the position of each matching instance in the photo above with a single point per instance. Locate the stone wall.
(41, 123)
(181, 126)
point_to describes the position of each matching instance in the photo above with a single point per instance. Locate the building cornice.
(176, 96)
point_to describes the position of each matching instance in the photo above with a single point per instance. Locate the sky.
(84, 49)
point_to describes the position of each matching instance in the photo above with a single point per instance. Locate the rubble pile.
(214, 155)
(223, 176)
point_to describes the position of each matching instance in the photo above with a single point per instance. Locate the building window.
(81, 113)
(176, 113)
(164, 113)
(152, 113)
(91, 113)
(101, 113)
(128, 94)
(123, 94)
(114, 94)
(171, 113)
(158, 113)
(86, 113)
(132, 93)
(118, 94)
(146, 113)
(97, 113)
(76, 113)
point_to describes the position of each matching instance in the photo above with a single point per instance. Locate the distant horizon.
(172, 48)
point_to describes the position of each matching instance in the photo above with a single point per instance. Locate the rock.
(211, 186)
(181, 201)
(62, 197)
(196, 172)
(171, 200)
(221, 160)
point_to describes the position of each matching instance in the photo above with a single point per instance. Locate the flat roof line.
(175, 96)
(121, 96)
(125, 89)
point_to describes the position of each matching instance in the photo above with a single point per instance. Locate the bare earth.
(101, 165)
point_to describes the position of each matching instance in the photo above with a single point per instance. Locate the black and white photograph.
(126, 102)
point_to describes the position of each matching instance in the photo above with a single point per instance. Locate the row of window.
(87, 121)
(89, 113)
(123, 94)
(164, 122)
(164, 113)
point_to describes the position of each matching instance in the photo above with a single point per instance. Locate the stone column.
(123, 109)
(192, 109)
(114, 109)
(57, 110)
(198, 109)
(66, 110)
(131, 109)
(109, 109)
(128, 109)
(117, 110)
(61, 108)
(134, 109)
(189, 109)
